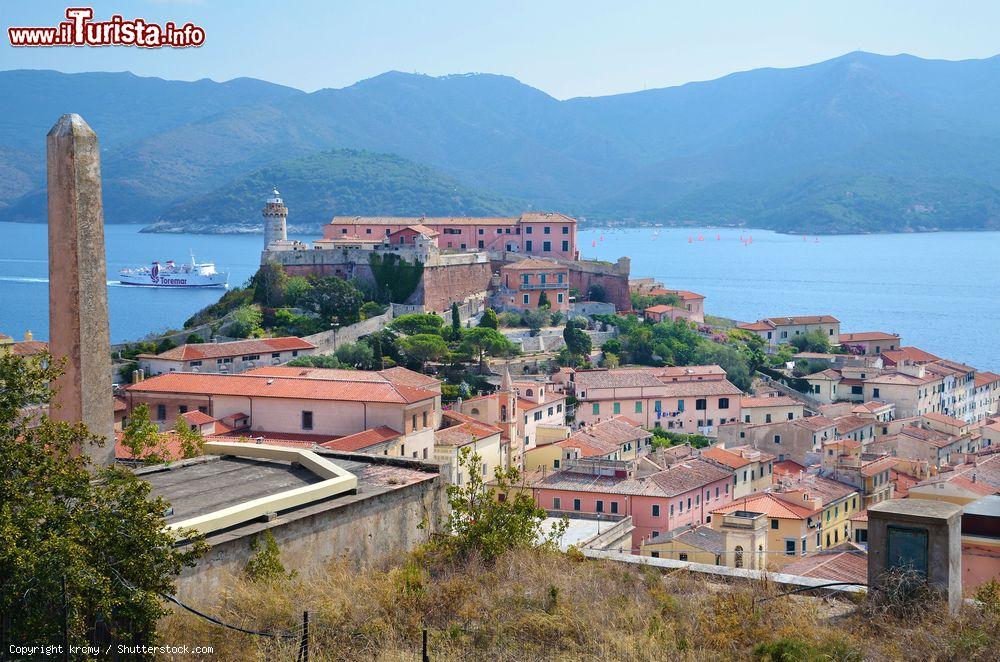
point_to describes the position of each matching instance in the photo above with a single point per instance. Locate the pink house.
(523, 283)
(665, 312)
(681, 495)
(532, 233)
(692, 302)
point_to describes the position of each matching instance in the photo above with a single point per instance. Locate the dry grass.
(535, 605)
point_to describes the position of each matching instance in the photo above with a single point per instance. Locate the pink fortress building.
(540, 234)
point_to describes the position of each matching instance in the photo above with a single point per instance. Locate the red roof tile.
(199, 351)
(362, 440)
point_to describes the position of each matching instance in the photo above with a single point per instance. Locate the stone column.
(920, 535)
(78, 294)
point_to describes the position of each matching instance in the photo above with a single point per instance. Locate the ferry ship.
(170, 274)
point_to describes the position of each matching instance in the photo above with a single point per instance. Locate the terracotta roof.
(826, 490)
(617, 378)
(684, 295)
(803, 319)
(196, 417)
(761, 325)
(871, 406)
(829, 375)
(684, 476)
(778, 401)
(604, 437)
(688, 475)
(814, 422)
(401, 375)
(296, 388)
(875, 466)
(930, 437)
(903, 379)
(770, 505)
(847, 424)
(27, 347)
(726, 457)
(846, 444)
(914, 354)
(536, 263)
(418, 228)
(860, 516)
(984, 378)
(663, 308)
(788, 467)
(944, 418)
(120, 404)
(200, 351)
(902, 484)
(866, 336)
(362, 440)
(462, 430)
(844, 565)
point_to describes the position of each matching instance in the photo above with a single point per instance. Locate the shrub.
(265, 564)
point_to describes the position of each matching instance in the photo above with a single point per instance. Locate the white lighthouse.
(275, 219)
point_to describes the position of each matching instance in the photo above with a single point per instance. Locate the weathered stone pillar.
(919, 536)
(78, 294)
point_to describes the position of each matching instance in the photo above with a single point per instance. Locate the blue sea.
(939, 291)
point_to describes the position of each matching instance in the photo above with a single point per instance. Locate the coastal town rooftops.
(201, 351)
(814, 423)
(944, 419)
(395, 375)
(461, 430)
(195, 417)
(788, 467)
(663, 308)
(902, 379)
(826, 490)
(983, 477)
(364, 439)
(871, 407)
(735, 458)
(527, 217)
(750, 402)
(684, 476)
(867, 336)
(921, 435)
(828, 375)
(716, 384)
(296, 388)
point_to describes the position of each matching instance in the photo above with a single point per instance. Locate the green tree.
(577, 340)
(375, 342)
(194, 339)
(371, 309)
(63, 521)
(489, 320)
(597, 293)
(543, 300)
(612, 346)
(265, 565)
(812, 341)
(456, 322)
(296, 287)
(192, 442)
(356, 355)
(269, 284)
(489, 520)
(334, 300)
(424, 347)
(418, 323)
(536, 319)
(246, 322)
(480, 341)
(142, 436)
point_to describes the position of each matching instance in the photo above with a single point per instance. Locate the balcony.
(543, 286)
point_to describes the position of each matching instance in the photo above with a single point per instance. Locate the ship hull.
(174, 282)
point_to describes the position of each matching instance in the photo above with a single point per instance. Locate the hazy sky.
(564, 47)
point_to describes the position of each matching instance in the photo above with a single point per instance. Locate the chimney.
(78, 292)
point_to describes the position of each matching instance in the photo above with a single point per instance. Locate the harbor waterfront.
(934, 289)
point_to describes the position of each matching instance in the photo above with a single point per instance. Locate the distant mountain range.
(860, 143)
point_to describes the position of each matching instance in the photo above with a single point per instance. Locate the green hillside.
(324, 184)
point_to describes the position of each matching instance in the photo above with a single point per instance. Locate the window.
(774, 524)
(182, 409)
(547, 230)
(600, 506)
(203, 409)
(596, 408)
(425, 419)
(616, 408)
(789, 548)
(526, 299)
(777, 438)
(655, 555)
(680, 405)
(251, 357)
(576, 504)
(738, 561)
(161, 412)
(546, 246)
(701, 404)
(194, 364)
(307, 420)
(528, 230)
(638, 406)
(527, 244)
(716, 491)
(656, 510)
(767, 418)
(682, 557)
(559, 297)
(875, 393)
(672, 509)
(723, 403)
(556, 503)
(746, 418)
(565, 245)
(480, 242)
(614, 507)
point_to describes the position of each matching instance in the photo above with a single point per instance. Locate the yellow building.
(460, 431)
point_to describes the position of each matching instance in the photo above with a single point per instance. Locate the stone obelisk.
(78, 294)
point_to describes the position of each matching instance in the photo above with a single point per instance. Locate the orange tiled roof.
(944, 418)
(846, 424)
(914, 354)
(536, 263)
(849, 565)
(726, 457)
(984, 378)
(866, 336)
(295, 388)
(770, 505)
(196, 417)
(362, 440)
(200, 351)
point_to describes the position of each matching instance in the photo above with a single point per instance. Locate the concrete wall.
(362, 531)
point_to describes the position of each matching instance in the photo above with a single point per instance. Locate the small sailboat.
(718, 237)
(593, 244)
(690, 240)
